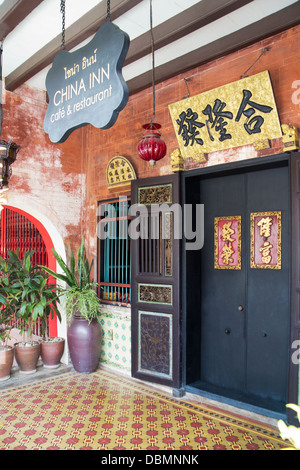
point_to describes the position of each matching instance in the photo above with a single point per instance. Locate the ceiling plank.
(74, 35)
(175, 28)
(184, 23)
(268, 26)
(12, 12)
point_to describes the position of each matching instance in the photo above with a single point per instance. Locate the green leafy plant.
(80, 291)
(26, 292)
(291, 432)
(4, 335)
(7, 311)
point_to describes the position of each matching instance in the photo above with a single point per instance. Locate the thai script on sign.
(86, 86)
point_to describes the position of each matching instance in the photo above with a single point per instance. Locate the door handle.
(227, 331)
(240, 308)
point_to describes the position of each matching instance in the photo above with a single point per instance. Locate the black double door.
(238, 325)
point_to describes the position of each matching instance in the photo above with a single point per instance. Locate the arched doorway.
(20, 230)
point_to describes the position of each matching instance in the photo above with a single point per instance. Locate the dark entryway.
(238, 319)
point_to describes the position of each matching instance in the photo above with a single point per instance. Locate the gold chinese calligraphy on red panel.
(265, 240)
(228, 242)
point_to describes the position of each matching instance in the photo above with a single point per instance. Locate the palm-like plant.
(79, 294)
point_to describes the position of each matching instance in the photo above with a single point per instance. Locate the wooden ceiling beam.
(268, 26)
(179, 26)
(82, 29)
(12, 12)
(184, 23)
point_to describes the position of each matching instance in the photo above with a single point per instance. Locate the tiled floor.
(104, 410)
(18, 379)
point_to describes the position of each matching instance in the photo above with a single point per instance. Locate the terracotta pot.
(84, 342)
(52, 351)
(27, 356)
(6, 361)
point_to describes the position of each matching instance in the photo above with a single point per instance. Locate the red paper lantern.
(152, 148)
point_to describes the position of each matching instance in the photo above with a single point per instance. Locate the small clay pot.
(27, 356)
(6, 361)
(52, 351)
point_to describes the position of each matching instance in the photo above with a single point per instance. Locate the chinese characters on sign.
(230, 116)
(228, 242)
(119, 172)
(266, 240)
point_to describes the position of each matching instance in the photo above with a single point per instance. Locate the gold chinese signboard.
(266, 240)
(233, 115)
(119, 172)
(228, 242)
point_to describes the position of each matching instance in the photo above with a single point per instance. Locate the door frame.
(293, 160)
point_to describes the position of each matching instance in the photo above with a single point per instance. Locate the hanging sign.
(86, 86)
(230, 116)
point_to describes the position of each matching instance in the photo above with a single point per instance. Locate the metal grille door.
(18, 232)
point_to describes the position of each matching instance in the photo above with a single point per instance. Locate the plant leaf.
(61, 277)
(71, 278)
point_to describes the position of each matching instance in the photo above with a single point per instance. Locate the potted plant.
(6, 353)
(82, 307)
(52, 348)
(30, 295)
(6, 313)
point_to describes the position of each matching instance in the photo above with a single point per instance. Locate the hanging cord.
(108, 11)
(186, 80)
(266, 49)
(63, 12)
(153, 61)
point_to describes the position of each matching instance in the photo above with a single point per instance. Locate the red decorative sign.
(266, 240)
(228, 242)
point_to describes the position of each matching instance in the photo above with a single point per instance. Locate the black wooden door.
(155, 271)
(244, 313)
(294, 382)
(223, 342)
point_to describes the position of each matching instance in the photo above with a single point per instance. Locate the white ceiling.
(44, 23)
